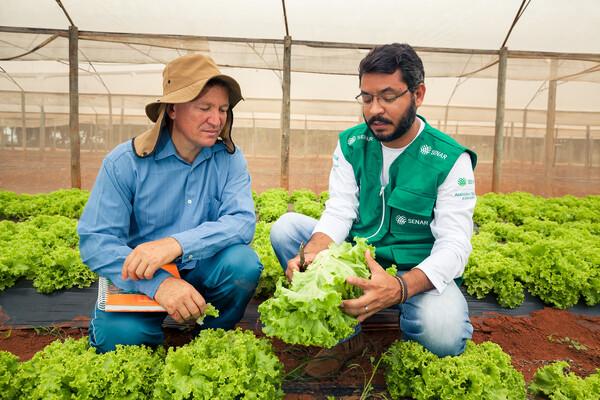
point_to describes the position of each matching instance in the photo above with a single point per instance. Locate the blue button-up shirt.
(206, 206)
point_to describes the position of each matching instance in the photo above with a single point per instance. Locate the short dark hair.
(389, 58)
(217, 82)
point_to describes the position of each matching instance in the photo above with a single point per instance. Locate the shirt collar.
(165, 146)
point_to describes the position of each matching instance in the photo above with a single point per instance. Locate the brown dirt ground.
(532, 341)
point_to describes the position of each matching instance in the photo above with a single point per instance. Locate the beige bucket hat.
(183, 79)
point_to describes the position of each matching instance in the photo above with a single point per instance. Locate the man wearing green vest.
(409, 189)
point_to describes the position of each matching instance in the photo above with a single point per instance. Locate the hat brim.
(190, 92)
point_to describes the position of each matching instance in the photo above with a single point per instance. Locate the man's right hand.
(318, 242)
(294, 264)
(181, 300)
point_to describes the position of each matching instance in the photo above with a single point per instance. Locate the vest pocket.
(410, 212)
(411, 254)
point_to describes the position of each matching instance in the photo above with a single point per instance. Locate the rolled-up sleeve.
(104, 228)
(236, 220)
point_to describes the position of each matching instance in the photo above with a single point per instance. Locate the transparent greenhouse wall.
(129, 68)
(575, 169)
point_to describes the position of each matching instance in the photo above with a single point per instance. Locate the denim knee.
(288, 232)
(282, 230)
(231, 285)
(109, 329)
(438, 322)
(245, 267)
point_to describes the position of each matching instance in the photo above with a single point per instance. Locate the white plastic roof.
(546, 25)
(321, 71)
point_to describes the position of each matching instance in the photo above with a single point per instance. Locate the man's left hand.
(379, 292)
(148, 257)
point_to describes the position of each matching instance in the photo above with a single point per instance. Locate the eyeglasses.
(388, 97)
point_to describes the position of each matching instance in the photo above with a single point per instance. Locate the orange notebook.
(113, 299)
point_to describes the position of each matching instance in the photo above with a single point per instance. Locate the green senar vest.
(395, 218)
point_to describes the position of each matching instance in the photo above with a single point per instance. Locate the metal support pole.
(511, 143)
(499, 131)
(93, 134)
(53, 132)
(589, 148)
(42, 129)
(523, 138)
(74, 108)
(110, 140)
(556, 144)
(446, 119)
(253, 137)
(285, 114)
(550, 128)
(121, 121)
(23, 123)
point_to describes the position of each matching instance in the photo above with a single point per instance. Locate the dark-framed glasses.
(387, 97)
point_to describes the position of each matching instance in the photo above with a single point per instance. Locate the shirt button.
(190, 258)
(189, 201)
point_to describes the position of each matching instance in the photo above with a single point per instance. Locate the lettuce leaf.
(209, 311)
(308, 312)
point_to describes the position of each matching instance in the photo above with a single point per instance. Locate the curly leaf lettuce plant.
(44, 250)
(483, 371)
(62, 370)
(221, 364)
(73, 370)
(308, 312)
(555, 382)
(9, 364)
(66, 202)
(271, 204)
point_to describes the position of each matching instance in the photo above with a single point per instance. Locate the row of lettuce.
(236, 364)
(303, 312)
(523, 243)
(548, 247)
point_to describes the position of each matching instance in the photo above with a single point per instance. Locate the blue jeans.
(439, 322)
(227, 281)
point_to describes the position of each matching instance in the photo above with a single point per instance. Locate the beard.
(402, 127)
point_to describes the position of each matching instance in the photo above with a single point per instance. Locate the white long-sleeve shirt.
(452, 224)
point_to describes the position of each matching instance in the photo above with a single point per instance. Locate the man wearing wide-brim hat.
(179, 192)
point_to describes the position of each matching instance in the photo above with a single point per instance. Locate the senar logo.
(403, 220)
(352, 139)
(426, 150)
(400, 219)
(462, 181)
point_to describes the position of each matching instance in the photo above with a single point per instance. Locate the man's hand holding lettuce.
(309, 312)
